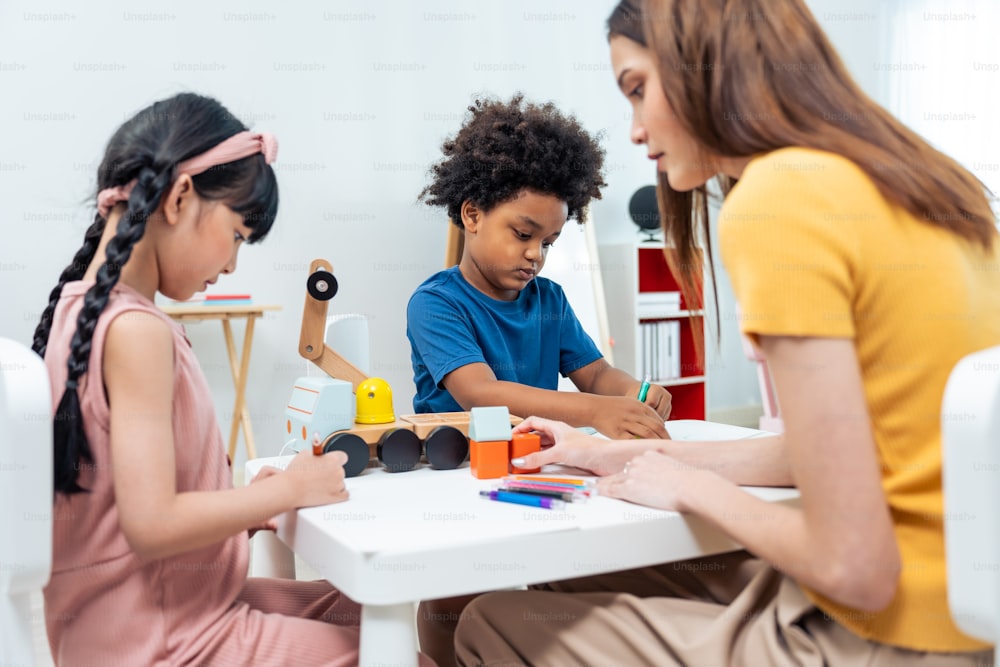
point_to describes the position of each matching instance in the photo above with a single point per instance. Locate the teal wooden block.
(490, 424)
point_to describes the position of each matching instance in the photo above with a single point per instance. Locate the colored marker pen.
(551, 480)
(548, 488)
(644, 389)
(522, 499)
(551, 486)
(542, 493)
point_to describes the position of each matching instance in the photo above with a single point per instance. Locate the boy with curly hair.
(490, 331)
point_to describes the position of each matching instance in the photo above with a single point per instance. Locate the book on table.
(227, 300)
(216, 300)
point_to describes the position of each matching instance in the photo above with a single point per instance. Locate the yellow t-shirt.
(814, 249)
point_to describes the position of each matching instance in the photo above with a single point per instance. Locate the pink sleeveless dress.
(103, 605)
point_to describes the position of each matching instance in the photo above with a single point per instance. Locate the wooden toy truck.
(443, 437)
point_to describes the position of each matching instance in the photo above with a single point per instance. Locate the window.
(941, 76)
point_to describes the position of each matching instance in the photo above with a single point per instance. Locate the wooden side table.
(195, 313)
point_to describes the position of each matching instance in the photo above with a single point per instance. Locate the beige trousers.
(732, 610)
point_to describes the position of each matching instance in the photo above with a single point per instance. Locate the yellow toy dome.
(374, 402)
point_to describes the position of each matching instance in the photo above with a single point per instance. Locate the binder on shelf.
(654, 330)
(675, 348)
(648, 354)
(660, 350)
(663, 367)
(657, 304)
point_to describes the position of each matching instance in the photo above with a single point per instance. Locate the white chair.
(347, 333)
(25, 495)
(970, 434)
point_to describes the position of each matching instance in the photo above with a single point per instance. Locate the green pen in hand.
(644, 389)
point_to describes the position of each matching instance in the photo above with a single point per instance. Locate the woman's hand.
(655, 480)
(561, 443)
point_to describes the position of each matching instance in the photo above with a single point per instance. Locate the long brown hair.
(746, 77)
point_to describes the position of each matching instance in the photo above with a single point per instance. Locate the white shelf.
(676, 382)
(672, 315)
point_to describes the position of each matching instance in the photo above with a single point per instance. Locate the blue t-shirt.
(530, 340)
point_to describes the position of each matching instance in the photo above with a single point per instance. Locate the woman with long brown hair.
(866, 264)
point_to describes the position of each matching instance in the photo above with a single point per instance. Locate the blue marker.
(523, 499)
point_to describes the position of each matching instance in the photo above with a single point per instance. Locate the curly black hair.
(507, 147)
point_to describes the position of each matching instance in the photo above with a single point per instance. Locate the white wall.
(360, 95)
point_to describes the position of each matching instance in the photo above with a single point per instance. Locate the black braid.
(146, 148)
(70, 439)
(81, 260)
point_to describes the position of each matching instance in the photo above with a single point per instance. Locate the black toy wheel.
(355, 448)
(446, 448)
(399, 450)
(322, 285)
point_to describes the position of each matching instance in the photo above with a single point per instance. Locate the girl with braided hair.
(150, 539)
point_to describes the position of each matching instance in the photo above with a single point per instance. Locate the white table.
(425, 534)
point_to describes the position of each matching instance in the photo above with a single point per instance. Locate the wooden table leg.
(244, 372)
(243, 412)
(241, 416)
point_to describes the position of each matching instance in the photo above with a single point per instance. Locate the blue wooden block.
(489, 424)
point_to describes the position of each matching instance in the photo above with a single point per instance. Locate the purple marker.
(523, 499)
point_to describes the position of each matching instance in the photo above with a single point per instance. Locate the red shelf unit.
(632, 269)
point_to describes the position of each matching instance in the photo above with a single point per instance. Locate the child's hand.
(659, 399)
(270, 524)
(623, 417)
(318, 480)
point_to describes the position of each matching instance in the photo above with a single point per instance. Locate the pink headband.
(236, 147)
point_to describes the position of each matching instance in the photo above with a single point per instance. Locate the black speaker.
(645, 211)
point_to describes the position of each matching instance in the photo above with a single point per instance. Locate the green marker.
(644, 389)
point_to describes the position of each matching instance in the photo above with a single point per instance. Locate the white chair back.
(347, 334)
(970, 434)
(25, 495)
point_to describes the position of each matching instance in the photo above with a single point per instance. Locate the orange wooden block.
(523, 444)
(489, 459)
